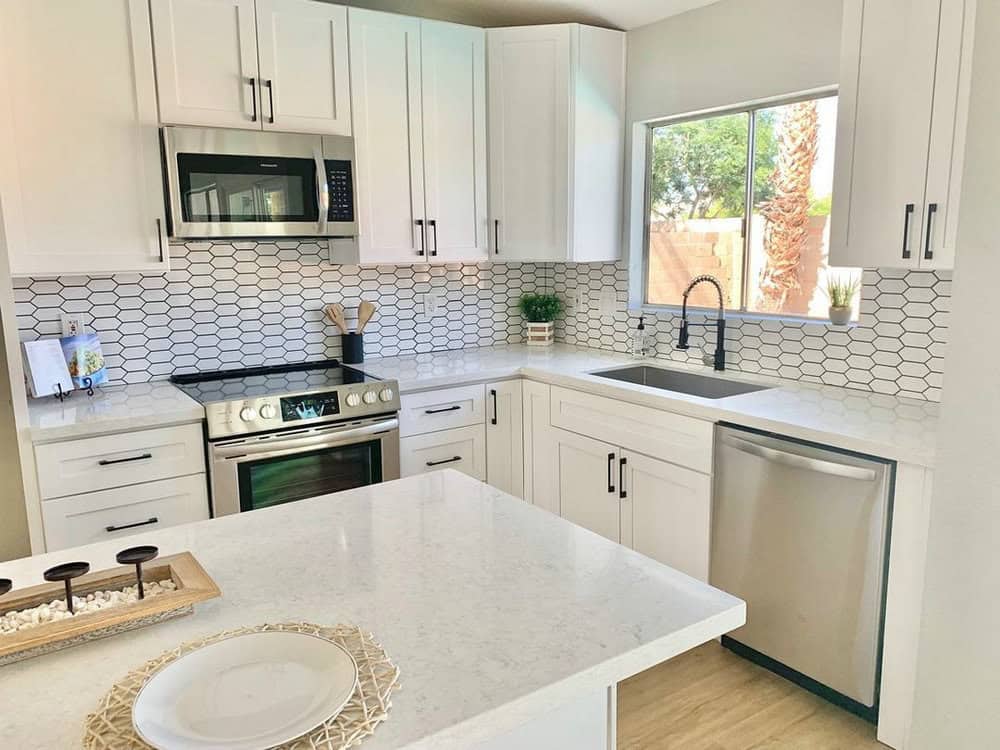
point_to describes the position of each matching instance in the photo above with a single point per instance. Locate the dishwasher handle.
(801, 462)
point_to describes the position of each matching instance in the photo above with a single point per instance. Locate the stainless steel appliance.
(244, 183)
(800, 532)
(280, 434)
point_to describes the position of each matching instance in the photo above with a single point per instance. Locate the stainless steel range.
(280, 434)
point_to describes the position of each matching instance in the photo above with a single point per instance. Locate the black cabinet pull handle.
(907, 215)
(147, 522)
(270, 97)
(456, 407)
(451, 460)
(423, 238)
(159, 237)
(931, 210)
(611, 468)
(621, 477)
(496, 236)
(113, 461)
(432, 223)
(253, 98)
(493, 395)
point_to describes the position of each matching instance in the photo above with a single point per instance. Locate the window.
(744, 196)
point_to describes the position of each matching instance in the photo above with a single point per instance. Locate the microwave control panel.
(340, 180)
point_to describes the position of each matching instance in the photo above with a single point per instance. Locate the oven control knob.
(386, 394)
(353, 399)
(370, 397)
(248, 414)
(267, 411)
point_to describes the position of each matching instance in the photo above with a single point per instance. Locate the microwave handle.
(322, 192)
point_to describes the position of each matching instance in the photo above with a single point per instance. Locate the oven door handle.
(322, 192)
(269, 448)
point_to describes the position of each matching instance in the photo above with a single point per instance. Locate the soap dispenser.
(640, 341)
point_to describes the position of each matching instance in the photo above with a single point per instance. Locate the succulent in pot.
(841, 292)
(540, 312)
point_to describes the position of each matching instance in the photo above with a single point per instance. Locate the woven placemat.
(110, 727)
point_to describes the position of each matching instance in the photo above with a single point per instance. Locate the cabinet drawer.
(442, 410)
(110, 514)
(671, 437)
(463, 449)
(73, 467)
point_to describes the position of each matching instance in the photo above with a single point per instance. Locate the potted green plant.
(841, 292)
(540, 312)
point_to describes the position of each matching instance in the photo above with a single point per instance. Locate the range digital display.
(312, 406)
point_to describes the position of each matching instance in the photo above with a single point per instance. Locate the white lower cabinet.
(587, 476)
(463, 449)
(666, 512)
(108, 514)
(504, 437)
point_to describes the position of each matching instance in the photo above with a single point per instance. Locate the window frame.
(750, 109)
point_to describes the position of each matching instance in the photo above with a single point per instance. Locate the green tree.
(699, 167)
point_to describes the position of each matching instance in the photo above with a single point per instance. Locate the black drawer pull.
(621, 477)
(113, 461)
(611, 479)
(493, 395)
(451, 460)
(124, 526)
(907, 214)
(456, 407)
(931, 210)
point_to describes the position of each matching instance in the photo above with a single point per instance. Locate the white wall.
(732, 52)
(957, 702)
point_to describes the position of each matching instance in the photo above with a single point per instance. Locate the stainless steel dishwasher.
(800, 533)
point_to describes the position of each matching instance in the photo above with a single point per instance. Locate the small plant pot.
(840, 316)
(541, 334)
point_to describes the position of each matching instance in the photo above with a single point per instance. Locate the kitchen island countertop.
(496, 612)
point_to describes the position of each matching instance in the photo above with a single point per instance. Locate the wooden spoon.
(365, 312)
(335, 314)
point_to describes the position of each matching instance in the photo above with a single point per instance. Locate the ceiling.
(619, 14)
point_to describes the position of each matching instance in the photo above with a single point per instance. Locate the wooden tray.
(193, 585)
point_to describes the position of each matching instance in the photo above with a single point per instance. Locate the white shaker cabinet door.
(587, 472)
(80, 177)
(529, 94)
(504, 437)
(666, 512)
(388, 137)
(304, 75)
(883, 127)
(206, 62)
(453, 68)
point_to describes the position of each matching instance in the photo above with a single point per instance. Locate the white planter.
(540, 334)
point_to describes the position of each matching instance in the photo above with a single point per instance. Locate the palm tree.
(786, 215)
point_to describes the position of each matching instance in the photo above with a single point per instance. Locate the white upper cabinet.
(556, 124)
(418, 97)
(302, 47)
(901, 129)
(206, 62)
(80, 176)
(253, 64)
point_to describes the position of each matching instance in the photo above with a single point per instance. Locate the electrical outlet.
(432, 305)
(72, 324)
(608, 303)
(578, 298)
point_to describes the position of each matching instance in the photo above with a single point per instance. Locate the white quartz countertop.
(876, 424)
(495, 611)
(111, 409)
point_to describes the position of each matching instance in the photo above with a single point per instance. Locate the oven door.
(237, 183)
(265, 470)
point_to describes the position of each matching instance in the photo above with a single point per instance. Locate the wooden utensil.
(365, 312)
(335, 314)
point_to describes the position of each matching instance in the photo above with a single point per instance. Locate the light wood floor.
(711, 699)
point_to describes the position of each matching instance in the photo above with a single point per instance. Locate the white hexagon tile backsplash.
(226, 305)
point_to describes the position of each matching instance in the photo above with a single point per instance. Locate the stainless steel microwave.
(244, 183)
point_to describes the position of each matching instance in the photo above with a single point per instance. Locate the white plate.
(250, 691)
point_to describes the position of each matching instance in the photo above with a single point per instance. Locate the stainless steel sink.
(680, 382)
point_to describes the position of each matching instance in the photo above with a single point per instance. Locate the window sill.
(647, 309)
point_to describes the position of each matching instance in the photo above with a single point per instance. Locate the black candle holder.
(137, 556)
(5, 585)
(66, 573)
